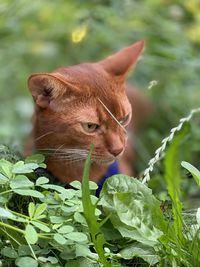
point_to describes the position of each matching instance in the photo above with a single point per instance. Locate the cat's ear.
(121, 62)
(46, 87)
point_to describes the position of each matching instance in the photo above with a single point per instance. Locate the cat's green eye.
(125, 120)
(90, 127)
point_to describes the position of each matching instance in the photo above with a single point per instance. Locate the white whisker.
(114, 118)
(41, 136)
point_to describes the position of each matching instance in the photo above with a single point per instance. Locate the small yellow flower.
(79, 34)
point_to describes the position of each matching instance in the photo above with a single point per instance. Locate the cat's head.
(82, 105)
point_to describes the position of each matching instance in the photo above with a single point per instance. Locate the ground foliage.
(44, 224)
(43, 35)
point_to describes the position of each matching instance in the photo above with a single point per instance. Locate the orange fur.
(68, 98)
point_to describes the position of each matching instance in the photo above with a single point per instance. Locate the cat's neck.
(66, 172)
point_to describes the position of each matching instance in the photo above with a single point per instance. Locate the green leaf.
(6, 168)
(26, 262)
(42, 180)
(28, 192)
(24, 168)
(76, 184)
(193, 170)
(77, 237)
(6, 214)
(66, 229)
(89, 213)
(198, 216)
(41, 226)
(3, 179)
(93, 185)
(31, 209)
(60, 239)
(39, 210)
(24, 250)
(133, 209)
(136, 249)
(78, 217)
(173, 180)
(9, 252)
(56, 219)
(53, 260)
(36, 158)
(31, 234)
(21, 181)
(57, 188)
(81, 262)
(83, 251)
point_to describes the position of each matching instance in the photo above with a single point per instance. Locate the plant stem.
(12, 227)
(5, 192)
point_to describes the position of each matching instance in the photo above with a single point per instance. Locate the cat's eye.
(125, 120)
(90, 127)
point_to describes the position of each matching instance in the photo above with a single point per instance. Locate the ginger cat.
(82, 105)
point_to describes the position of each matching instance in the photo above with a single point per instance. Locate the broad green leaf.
(66, 229)
(77, 237)
(78, 217)
(6, 168)
(42, 180)
(56, 219)
(9, 252)
(81, 262)
(76, 184)
(3, 179)
(41, 226)
(57, 188)
(39, 210)
(24, 250)
(133, 209)
(4, 199)
(83, 251)
(36, 158)
(93, 185)
(21, 181)
(28, 192)
(31, 209)
(31, 234)
(60, 239)
(136, 249)
(193, 170)
(26, 262)
(67, 209)
(6, 214)
(50, 259)
(67, 254)
(24, 168)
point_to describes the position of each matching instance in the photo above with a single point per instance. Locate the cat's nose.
(116, 151)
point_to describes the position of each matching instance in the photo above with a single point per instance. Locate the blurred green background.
(43, 35)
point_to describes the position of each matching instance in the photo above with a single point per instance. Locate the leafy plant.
(45, 224)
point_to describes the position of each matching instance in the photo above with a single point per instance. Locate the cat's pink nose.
(116, 151)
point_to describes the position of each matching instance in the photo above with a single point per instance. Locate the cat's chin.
(105, 162)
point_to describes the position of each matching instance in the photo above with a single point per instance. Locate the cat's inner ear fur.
(46, 87)
(120, 63)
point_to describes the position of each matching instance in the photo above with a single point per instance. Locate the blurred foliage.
(43, 35)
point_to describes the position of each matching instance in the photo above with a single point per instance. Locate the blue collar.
(112, 170)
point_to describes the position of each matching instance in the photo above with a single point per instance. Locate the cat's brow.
(114, 118)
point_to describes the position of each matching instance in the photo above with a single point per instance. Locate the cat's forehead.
(98, 91)
(91, 78)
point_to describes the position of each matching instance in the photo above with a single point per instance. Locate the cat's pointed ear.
(46, 87)
(121, 62)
